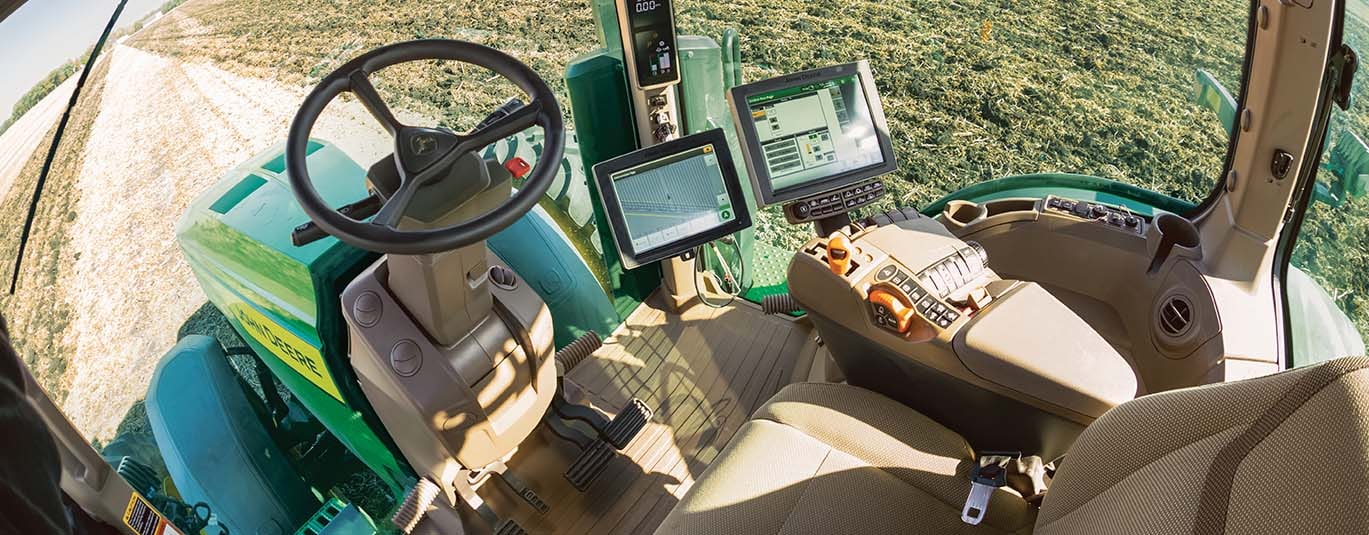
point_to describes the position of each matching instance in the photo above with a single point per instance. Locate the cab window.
(1326, 284)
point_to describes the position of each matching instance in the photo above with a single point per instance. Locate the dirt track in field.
(166, 131)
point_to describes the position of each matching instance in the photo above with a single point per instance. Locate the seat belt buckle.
(990, 472)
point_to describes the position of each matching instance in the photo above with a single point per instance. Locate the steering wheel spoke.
(360, 85)
(392, 211)
(521, 118)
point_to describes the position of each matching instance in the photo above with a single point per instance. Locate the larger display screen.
(812, 132)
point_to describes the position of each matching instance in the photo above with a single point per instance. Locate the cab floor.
(703, 372)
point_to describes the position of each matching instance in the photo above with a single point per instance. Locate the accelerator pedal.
(591, 462)
(627, 424)
(524, 491)
(615, 436)
(510, 527)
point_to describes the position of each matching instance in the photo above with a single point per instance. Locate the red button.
(517, 167)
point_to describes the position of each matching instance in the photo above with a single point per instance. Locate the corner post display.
(651, 57)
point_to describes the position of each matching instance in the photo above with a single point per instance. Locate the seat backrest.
(1287, 453)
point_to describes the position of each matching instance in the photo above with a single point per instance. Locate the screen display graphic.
(653, 42)
(811, 132)
(673, 198)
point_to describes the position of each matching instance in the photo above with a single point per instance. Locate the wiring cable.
(730, 280)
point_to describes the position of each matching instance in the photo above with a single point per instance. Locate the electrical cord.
(728, 279)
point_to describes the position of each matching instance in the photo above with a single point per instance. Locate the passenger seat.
(1287, 453)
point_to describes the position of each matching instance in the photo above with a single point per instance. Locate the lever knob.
(903, 314)
(839, 254)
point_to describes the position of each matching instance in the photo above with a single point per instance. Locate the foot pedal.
(627, 424)
(510, 527)
(524, 491)
(591, 462)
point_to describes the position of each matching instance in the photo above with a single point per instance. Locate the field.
(974, 90)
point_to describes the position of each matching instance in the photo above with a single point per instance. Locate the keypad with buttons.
(1107, 215)
(927, 304)
(833, 202)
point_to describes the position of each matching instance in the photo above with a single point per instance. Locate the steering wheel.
(423, 155)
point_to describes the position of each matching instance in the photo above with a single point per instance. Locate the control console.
(833, 203)
(1107, 215)
(895, 299)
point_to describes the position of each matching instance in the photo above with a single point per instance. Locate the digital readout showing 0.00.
(653, 43)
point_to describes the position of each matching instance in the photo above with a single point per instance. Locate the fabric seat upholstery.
(832, 458)
(1287, 453)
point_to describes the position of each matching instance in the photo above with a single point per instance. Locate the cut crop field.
(974, 89)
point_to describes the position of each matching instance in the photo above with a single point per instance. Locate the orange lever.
(839, 254)
(903, 314)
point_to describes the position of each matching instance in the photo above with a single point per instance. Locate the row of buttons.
(836, 202)
(1098, 212)
(926, 304)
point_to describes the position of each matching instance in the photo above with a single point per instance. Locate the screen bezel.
(755, 165)
(608, 196)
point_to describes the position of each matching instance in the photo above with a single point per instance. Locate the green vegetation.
(41, 89)
(35, 310)
(974, 90)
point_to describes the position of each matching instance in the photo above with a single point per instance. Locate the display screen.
(653, 41)
(811, 132)
(672, 199)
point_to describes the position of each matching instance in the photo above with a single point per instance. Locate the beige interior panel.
(1058, 358)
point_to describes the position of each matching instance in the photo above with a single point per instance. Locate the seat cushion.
(830, 458)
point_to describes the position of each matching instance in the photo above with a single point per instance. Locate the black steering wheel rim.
(383, 236)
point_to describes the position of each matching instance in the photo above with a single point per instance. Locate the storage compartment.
(958, 214)
(1172, 234)
(1030, 342)
(1003, 206)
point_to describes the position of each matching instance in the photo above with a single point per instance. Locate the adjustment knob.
(503, 277)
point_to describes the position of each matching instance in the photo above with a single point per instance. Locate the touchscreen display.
(811, 132)
(673, 198)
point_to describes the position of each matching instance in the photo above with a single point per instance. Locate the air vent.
(1176, 316)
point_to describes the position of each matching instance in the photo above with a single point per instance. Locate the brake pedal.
(627, 424)
(591, 462)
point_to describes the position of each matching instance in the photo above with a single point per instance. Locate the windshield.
(185, 92)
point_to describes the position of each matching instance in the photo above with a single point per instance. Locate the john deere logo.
(422, 144)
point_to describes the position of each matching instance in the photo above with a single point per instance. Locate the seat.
(1287, 453)
(832, 458)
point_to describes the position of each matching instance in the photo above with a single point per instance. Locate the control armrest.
(1030, 342)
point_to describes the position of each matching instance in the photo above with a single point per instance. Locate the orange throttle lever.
(902, 314)
(839, 254)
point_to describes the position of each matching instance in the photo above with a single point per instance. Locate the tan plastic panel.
(914, 244)
(1032, 343)
(463, 405)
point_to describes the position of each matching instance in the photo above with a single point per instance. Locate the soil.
(165, 132)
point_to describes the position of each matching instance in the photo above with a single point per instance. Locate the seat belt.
(1026, 475)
